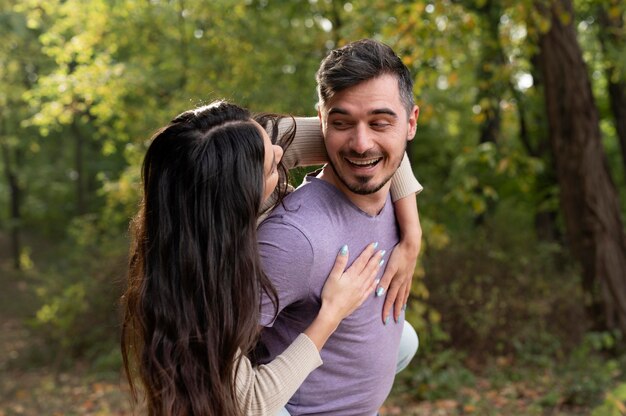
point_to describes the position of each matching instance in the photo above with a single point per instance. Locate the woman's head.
(212, 152)
(195, 277)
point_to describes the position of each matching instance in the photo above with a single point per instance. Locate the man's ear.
(413, 122)
(319, 117)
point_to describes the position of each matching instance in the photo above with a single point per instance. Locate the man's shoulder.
(308, 199)
(306, 214)
(311, 188)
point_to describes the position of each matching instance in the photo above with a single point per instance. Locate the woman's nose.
(278, 151)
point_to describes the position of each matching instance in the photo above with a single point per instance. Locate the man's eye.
(340, 124)
(380, 124)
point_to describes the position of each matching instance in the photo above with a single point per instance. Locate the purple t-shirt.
(298, 247)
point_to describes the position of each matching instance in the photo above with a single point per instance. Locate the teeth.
(363, 162)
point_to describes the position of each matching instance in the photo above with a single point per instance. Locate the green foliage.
(79, 293)
(539, 351)
(107, 74)
(586, 375)
(560, 383)
(61, 311)
(483, 175)
(438, 376)
(486, 285)
(614, 403)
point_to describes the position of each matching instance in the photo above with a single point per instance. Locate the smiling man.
(367, 115)
(366, 128)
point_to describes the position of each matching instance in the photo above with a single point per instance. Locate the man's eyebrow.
(387, 111)
(338, 110)
(384, 110)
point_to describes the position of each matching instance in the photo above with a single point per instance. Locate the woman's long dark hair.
(195, 277)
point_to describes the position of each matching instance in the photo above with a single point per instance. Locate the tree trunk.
(79, 167)
(611, 35)
(588, 197)
(617, 93)
(534, 138)
(491, 75)
(14, 209)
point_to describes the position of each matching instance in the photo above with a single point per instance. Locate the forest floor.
(30, 385)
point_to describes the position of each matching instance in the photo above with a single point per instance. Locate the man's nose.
(361, 140)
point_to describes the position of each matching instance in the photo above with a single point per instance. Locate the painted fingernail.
(381, 263)
(386, 319)
(377, 281)
(404, 307)
(382, 253)
(380, 291)
(344, 250)
(375, 245)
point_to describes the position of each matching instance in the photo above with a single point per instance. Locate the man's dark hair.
(360, 61)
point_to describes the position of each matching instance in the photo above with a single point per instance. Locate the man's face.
(366, 129)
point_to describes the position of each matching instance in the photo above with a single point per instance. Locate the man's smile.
(363, 163)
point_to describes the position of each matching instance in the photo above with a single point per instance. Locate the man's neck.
(371, 204)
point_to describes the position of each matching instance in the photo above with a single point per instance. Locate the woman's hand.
(345, 291)
(398, 276)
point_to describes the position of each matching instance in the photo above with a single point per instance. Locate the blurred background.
(519, 296)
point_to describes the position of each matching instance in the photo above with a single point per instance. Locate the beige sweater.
(265, 389)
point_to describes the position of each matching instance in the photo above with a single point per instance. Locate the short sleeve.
(287, 257)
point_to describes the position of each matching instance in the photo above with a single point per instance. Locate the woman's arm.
(398, 276)
(265, 389)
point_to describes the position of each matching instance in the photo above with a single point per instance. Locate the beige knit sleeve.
(264, 390)
(308, 149)
(403, 182)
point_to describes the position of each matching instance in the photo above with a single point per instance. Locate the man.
(367, 115)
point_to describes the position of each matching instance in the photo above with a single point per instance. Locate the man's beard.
(361, 187)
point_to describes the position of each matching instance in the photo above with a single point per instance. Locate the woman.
(195, 278)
